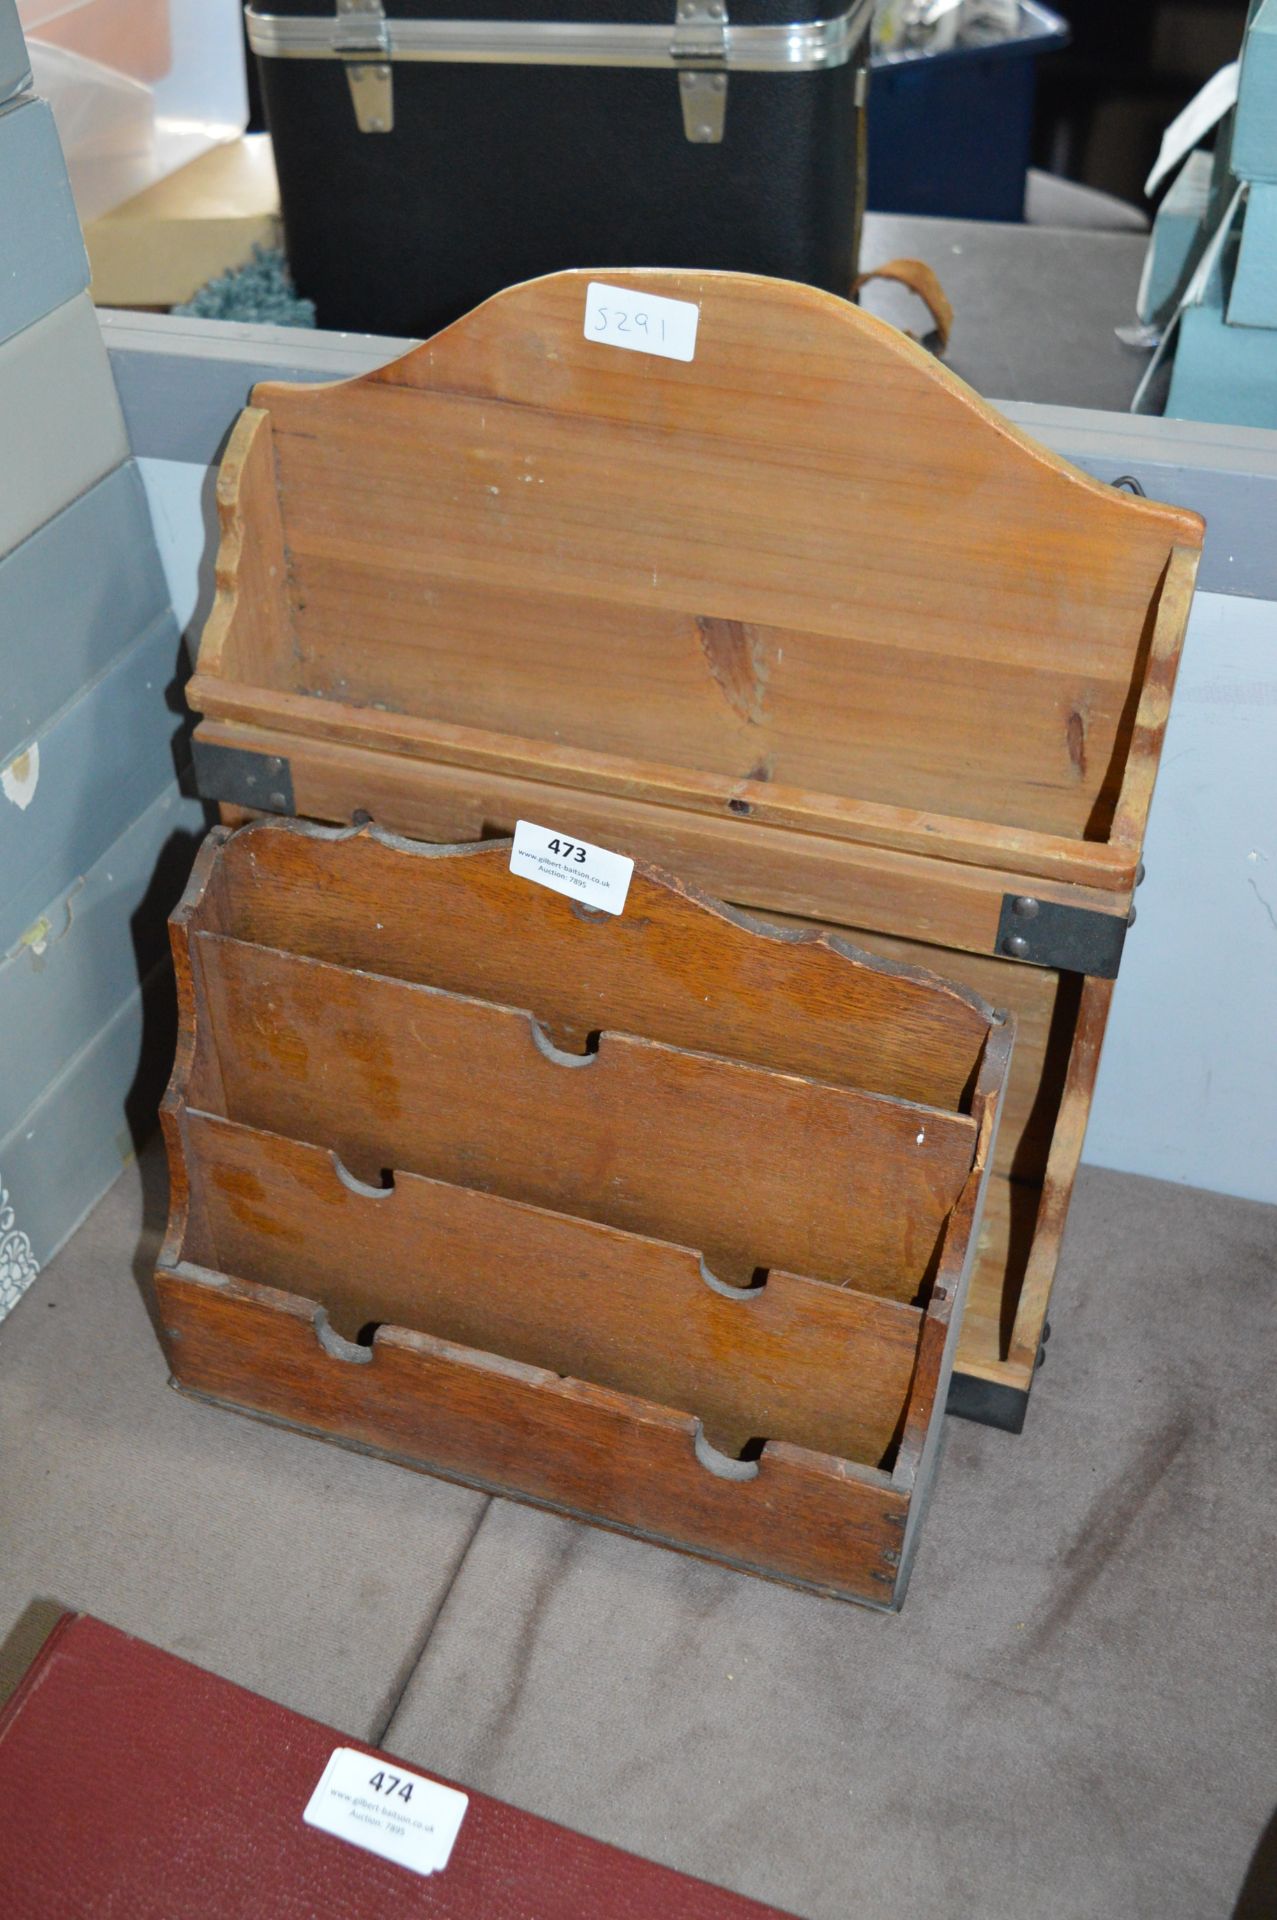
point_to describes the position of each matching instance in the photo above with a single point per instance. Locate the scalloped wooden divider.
(802, 619)
(420, 1203)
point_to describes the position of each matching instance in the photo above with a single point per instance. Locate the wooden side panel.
(1154, 702)
(673, 966)
(753, 1168)
(1061, 1171)
(791, 1360)
(1044, 1004)
(1055, 1049)
(248, 636)
(739, 562)
(801, 1517)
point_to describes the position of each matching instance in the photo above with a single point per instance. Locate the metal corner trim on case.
(242, 778)
(799, 46)
(1045, 933)
(987, 1402)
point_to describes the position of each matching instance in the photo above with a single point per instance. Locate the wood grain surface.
(809, 557)
(674, 966)
(807, 571)
(932, 898)
(802, 620)
(522, 1431)
(752, 1167)
(597, 1278)
(820, 1366)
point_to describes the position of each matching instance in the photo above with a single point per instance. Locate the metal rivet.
(1025, 908)
(717, 11)
(383, 73)
(720, 83)
(1016, 945)
(276, 799)
(1130, 918)
(1139, 874)
(376, 126)
(687, 80)
(704, 133)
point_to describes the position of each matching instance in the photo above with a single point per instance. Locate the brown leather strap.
(919, 278)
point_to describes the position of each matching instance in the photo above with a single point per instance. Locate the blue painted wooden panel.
(73, 597)
(1179, 235)
(65, 1152)
(43, 263)
(89, 775)
(15, 68)
(87, 951)
(60, 422)
(1252, 301)
(1223, 373)
(1254, 152)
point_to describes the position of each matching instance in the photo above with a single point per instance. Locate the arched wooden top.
(810, 561)
(778, 365)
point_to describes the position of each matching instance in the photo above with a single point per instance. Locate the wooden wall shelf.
(801, 619)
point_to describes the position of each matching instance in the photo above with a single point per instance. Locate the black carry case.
(426, 161)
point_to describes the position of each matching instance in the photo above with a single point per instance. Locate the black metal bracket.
(1074, 939)
(242, 778)
(987, 1402)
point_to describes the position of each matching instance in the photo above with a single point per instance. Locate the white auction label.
(641, 322)
(574, 867)
(377, 1805)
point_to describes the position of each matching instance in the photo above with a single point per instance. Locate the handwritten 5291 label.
(376, 1805)
(641, 322)
(570, 866)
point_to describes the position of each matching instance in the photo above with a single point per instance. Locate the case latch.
(363, 44)
(699, 47)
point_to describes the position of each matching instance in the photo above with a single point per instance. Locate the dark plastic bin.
(950, 133)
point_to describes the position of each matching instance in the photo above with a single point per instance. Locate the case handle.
(920, 279)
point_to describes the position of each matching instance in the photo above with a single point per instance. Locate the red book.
(138, 1786)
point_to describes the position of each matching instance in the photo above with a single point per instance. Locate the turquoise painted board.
(1222, 373)
(98, 766)
(43, 263)
(87, 951)
(1177, 241)
(60, 422)
(59, 1160)
(73, 597)
(1252, 301)
(15, 68)
(1254, 155)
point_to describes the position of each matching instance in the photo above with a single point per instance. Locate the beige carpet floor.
(1075, 1716)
